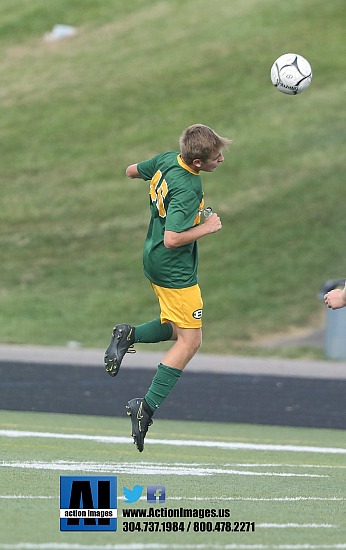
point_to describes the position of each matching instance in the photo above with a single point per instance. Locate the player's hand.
(334, 299)
(213, 223)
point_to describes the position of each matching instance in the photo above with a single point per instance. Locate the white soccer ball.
(291, 74)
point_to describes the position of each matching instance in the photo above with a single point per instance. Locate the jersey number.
(158, 191)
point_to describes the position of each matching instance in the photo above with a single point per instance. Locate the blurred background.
(121, 86)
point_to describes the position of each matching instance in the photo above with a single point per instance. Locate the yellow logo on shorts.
(197, 314)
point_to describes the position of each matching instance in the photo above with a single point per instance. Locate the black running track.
(217, 397)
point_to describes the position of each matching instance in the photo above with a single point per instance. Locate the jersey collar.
(184, 165)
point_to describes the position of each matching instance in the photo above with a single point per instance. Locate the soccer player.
(336, 298)
(170, 261)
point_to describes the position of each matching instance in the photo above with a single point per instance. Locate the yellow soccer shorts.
(181, 306)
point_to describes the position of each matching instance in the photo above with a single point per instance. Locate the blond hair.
(200, 142)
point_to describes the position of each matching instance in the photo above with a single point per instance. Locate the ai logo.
(88, 503)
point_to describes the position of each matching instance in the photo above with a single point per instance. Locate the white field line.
(143, 469)
(26, 497)
(179, 442)
(295, 526)
(197, 499)
(276, 465)
(250, 499)
(158, 546)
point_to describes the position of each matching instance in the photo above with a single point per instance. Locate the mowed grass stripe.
(143, 469)
(197, 499)
(179, 442)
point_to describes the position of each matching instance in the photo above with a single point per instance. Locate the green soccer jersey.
(176, 198)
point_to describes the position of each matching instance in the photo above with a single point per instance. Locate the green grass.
(274, 488)
(74, 114)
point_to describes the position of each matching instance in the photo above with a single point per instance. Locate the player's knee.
(191, 339)
(196, 342)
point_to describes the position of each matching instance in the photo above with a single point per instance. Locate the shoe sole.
(110, 366)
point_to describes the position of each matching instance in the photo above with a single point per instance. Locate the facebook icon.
(156, 494)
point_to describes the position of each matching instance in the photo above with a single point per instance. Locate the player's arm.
(173, 239)
(336, 298)
(132, 172)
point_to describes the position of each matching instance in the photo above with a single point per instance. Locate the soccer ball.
(291, 74)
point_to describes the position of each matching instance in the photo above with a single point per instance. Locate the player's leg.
(186, 346)
(142, 409)
(172, 365)
(183, 307)
(154, 331)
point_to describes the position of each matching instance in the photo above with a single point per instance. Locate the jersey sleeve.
(147, 168)
(182, 211)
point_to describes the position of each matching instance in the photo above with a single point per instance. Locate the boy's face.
(210, 164)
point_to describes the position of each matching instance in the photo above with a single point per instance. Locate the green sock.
(163, 382)
(153, 332)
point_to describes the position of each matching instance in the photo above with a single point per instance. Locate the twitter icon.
(132, 495)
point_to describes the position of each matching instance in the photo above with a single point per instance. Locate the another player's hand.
(334, 299)
(213, 223)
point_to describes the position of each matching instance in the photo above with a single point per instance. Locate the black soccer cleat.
(141, 418)
(122, 342)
